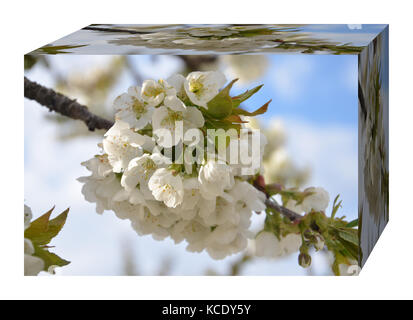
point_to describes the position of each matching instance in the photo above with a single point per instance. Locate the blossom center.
(138, 107)
(172, 117)
(196, 87)
(154, 91)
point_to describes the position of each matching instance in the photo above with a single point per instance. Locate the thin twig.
(273, 204)
(64, 105)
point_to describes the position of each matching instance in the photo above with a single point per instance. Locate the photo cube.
(207, 149)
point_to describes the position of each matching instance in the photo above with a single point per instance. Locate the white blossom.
(202, 87)
(32, 265)
(27, 216)
(132, 109)
(246, 67)
(291, 243)
(167, 187)
(122, 145)
(268, 245)
(168, 116)
(136, 177)
(214, 177)
(102, 185)
(318, 200)
(154, 92)
(351, 269)
(187, 210)
(177, 81)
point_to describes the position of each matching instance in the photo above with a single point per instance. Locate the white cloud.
(332, 152)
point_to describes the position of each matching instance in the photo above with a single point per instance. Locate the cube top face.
(125, 39)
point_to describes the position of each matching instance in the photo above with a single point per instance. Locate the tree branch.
(64, 105)
(273, 204)
(70, 108)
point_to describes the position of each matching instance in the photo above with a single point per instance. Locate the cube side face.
(373, 167)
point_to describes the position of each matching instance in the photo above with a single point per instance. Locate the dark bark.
(293, 216)
(65, 106)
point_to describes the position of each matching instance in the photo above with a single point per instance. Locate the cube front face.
(326, 127)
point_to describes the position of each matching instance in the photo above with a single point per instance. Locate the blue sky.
(315, 97)
(317, 88)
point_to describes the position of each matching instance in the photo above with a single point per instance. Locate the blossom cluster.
(146, 172)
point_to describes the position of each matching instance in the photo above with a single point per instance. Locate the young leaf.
(43, 230)
(349, 235)
(236, 101)
(49, 258)
(257, 112)
(353, 223)
(38, 226)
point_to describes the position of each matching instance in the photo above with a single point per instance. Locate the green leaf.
(349, 235)
(49, 258)
(257, 112)
(221, 105)
(236, 101)
(351, 250)
(38, 226)
(43, 230)
(353, 224)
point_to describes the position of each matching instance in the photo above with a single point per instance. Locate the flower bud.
(304, 260)
(319, 244)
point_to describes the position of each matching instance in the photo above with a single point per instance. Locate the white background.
(388, 272)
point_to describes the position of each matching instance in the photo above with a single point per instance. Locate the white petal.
(195, 117)
(177, 81)
(174, 103)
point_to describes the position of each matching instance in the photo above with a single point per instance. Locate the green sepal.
(263, 109)
(221, 105)
(236, 101)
